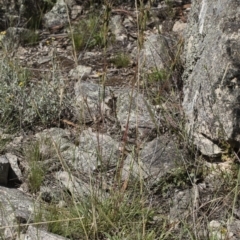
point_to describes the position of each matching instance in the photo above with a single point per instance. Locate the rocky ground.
(92, 139)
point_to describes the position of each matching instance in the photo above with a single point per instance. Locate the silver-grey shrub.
(25, 102)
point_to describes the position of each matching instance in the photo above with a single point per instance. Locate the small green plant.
(157, 76)
(121, 60)
(181, 177)
(36, 169)
(158, 81)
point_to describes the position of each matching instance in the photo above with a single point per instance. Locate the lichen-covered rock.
(16, 208)
(117, 28)
(96, 151)
(34, 233)
(233, 229)
(92, 150)
(212, 74)
(73, 184)
(58, 16)
(153, 161)
(158, 51)
(90, 101)
(136, 115)
(80, 72)
(181, 205)
(53, 139)
(179, 27)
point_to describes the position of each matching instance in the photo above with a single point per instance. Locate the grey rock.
(58, 16)
(80, 72)
(157, 51)
(96, 151)
(16, 207)
(211, 77)
(34, 233)
(56, 148)
(233, 229)
(181, 205)
(14, 144)
(90, 101)
(154, 160)
(4, 169)
(53, 139)
(128, 22)
(141, 121)
(44, 60)
(73, 184)
(76, 11)
(117, 28)
(92, 151)
(160, 156)
(179, 27)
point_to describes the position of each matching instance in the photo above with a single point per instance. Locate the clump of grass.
(122, 215)
(37, 171)
(121, 60)
(30, 37)
(88, 34)
(157, 76)
(158, 84)
(182, 177)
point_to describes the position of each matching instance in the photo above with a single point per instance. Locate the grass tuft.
(121, 60)
(36, 171)
(122, 215)
(87, 34)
